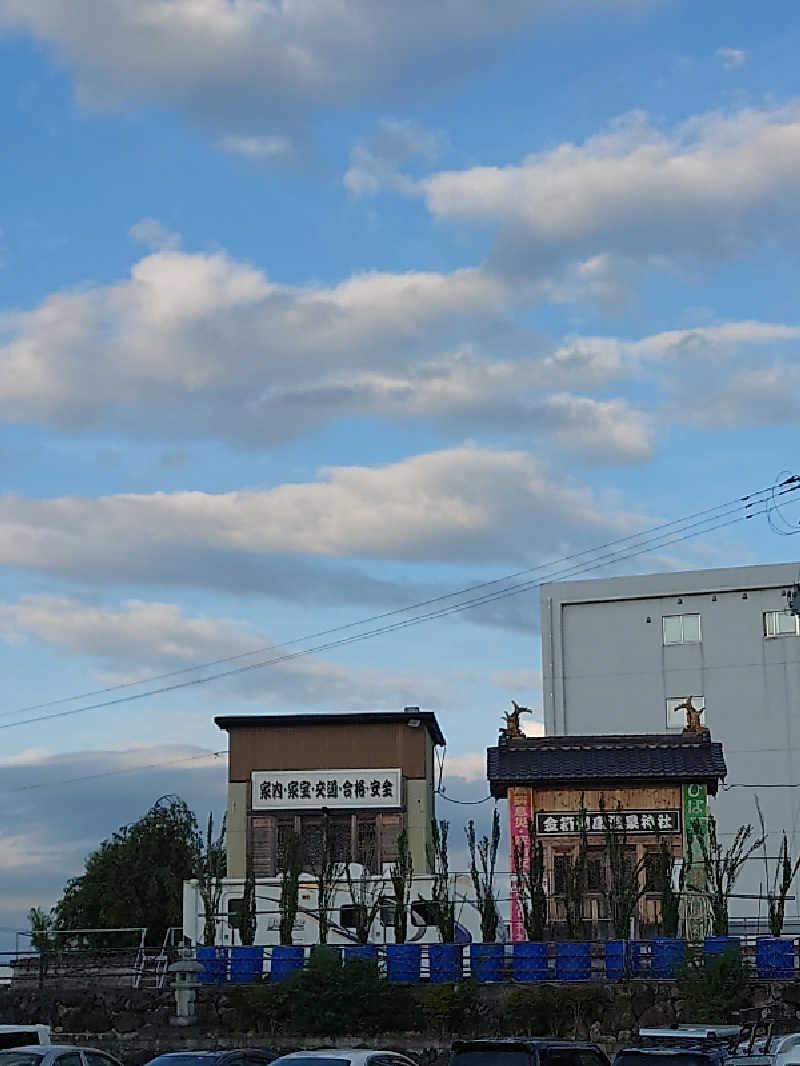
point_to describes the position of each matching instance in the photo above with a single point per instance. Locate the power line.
(760, 496)
(139, 767)
(654, 543)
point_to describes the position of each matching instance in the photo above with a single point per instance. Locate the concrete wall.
(606, 670)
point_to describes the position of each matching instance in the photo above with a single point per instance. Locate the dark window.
(316, 1060)
(69, 1058)
(185, 1059)
(386, 910)
(561, 865)
(654, 871)
(596, 869)
(351, 914)
(591, 1058)
(423, 913)
(662, 1058)
(558, 1057)
(97, 1058)
(234, 912)
(19, 1058)
(491, 1056)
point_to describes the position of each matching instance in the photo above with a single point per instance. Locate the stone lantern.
(187, 973)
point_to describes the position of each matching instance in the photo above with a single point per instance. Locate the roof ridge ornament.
(512, 729)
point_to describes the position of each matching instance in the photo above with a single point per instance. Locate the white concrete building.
(619, 655)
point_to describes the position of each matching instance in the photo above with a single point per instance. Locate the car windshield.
(312, 1060)
(663, 1058)
(19, 1058)
(489, 1056)
(185, 1059)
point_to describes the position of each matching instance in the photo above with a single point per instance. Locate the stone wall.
(135, 1025)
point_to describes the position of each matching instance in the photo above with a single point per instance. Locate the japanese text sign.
(313, 789)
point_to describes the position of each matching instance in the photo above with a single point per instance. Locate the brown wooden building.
(372, 774)
(653, 783)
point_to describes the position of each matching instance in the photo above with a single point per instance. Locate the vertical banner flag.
(520, 810)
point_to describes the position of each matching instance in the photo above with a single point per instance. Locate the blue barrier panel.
(403, 962)
(775, 957)
(666, 954)
(215, 964)
(445, 962)
(487, 962)
(574, 961)
(364, 952)
(286, 960)
(530, 961)
(247, 963)
(616, 959)
(715, 945)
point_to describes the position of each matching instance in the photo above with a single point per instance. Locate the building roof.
(595, 760)
(283, 721)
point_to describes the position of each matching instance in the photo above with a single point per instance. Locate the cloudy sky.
(314, 310)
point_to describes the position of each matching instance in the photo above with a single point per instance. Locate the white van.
(22, 1035)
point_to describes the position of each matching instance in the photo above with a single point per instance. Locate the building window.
(596, 869)
(781, 624)
(681, 628)
(676, 712)
(654, 871)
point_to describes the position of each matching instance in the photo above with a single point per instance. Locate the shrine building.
(651, 785)
(371, 774)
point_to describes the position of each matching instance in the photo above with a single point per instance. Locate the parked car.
(56, 1055)
(526, 1051)
(341, 1056)
(240, 1056)
(672, 1055)
(19, 1035)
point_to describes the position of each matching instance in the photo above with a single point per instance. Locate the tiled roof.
(600, 759)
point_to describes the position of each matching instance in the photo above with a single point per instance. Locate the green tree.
(42, 939)
(625, 884)
(576, 880)
(482, 861)
(136, 877)
(529, 879)
(670, 898)
(290, 859)
(778, 886)
(247, 916)
(715, 988)
(402, 876)
(327, 870)
(210, 867)
(443, 906)
(365, 895)
(720, 867)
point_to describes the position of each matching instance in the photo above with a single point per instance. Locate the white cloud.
(257, 148)
(519, 681)
(732, 58)
(249, 65)
(462, 504)
(375, 161)
(471, 766)
(155, 235)
(138, 639)
(709, 189)
(207, 345)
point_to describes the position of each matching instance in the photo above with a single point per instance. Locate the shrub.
(450, 1008)
(717, 987)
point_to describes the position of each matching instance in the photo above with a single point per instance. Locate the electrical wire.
(727, 518)
(709, 513)
(138, 768)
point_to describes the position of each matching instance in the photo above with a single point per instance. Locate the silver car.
(56, 1055)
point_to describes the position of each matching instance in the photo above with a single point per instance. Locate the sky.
(312, 311)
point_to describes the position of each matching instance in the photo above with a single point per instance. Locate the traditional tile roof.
(591, 761)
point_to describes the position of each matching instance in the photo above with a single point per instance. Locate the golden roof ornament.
(693, 724)
(512, 729)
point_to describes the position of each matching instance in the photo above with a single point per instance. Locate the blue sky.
(310, 311)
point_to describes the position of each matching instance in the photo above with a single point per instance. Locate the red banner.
(520, 811)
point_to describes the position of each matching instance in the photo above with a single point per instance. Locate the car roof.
(355, 1054)
(527, 1041)
(45, 1049)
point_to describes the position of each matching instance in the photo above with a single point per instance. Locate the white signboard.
(299, 790)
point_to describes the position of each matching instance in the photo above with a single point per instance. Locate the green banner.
(695, 815)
